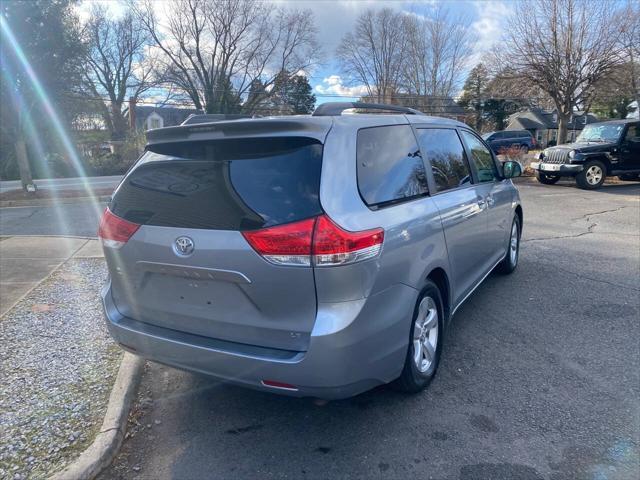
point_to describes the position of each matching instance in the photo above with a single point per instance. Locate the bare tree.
(630, 44)
(117, 65)
(214, 50)
(373, 54)
(438, 49)
(564, 47)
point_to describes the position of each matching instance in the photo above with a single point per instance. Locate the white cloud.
(489, 26)
(332, 85)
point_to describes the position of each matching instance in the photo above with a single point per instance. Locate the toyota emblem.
(183, 246)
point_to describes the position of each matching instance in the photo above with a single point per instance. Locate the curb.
(44, 202)
(107, 443)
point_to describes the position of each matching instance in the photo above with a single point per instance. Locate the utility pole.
(23, 159)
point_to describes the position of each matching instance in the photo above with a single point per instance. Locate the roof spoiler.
(336, 108)
(213, 117)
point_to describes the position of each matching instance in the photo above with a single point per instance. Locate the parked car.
(601, 150)
(510, 138)
(312, 255)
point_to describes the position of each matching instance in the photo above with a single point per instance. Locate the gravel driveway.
(57, 365)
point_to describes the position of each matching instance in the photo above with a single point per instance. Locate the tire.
(524, 149)
(592, 175)
(510, 262)
(546, 178)
(629, 177)
(413, 378)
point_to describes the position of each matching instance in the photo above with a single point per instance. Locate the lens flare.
(49, 110)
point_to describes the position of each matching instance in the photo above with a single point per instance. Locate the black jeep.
(601, 150)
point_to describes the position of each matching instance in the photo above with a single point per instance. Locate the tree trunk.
(119, 131)
(23, 163)
(563, 123)
(478, 117)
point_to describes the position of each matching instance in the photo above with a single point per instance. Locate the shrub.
(107, 164)
(516, 153)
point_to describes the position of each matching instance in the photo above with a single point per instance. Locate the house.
(543, 124)
(148, 117)
(427, 104)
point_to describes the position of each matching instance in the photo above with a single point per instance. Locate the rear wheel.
(592, 175)
(425, 342)
(546, 178)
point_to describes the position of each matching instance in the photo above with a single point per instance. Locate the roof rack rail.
(336, 108)
(213, 117)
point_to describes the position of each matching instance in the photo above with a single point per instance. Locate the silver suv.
(312, 255)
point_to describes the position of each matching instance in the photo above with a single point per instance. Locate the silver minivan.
(312, 255)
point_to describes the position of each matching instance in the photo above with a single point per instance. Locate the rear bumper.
(557, 169)
(354, 347)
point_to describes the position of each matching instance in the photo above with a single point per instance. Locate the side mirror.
(511, 169)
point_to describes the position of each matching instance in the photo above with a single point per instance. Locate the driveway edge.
(45, 202)
(107, 443)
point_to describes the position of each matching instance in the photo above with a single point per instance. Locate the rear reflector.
(115, 231)
(280, 385)
(315, 240)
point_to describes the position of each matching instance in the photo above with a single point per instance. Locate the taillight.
(334, 246)
(315, 240)
(288, 244)
(115, 231)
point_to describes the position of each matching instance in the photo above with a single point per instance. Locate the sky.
(334, 18)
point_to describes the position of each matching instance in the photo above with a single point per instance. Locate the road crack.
(597, 280)
(587, 216)
(559, 237)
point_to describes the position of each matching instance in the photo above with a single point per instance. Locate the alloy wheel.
(425, 335)
(594, 175)
(513, 244)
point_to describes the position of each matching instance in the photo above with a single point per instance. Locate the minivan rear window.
(234, 184)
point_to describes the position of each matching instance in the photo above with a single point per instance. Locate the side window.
(445, 152)
(390, 168)
(481, 158)
(633, 134)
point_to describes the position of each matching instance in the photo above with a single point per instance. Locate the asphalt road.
(540, 379)
(65, 183)
(76, 219)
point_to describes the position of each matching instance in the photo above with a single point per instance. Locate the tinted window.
(445, 152)
(481, 158)
(390, 168)
(224, 184)
(633, 134)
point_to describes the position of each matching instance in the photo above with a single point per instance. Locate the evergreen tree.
(474, 91)
(293, 93)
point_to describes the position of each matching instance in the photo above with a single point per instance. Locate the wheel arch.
(600, 157)
(439, 276)
(520, 215)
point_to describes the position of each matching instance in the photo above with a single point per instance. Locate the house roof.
(537, 118)
(170, 115)
(524, 123)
